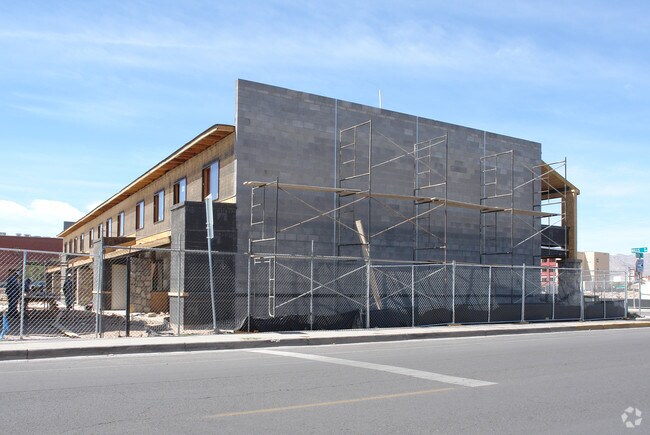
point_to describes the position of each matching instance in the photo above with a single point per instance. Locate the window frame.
(176, 191)
(208, 187)
(120, 224)
(139, 215)
(109, 227)
(159, 206)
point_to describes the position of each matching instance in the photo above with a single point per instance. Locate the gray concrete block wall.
(293, 135)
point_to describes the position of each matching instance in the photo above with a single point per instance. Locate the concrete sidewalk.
(16, 350)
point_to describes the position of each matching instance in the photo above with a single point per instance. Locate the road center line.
(465, 382)
(330, 403)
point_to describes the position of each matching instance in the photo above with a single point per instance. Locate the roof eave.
(178, 157)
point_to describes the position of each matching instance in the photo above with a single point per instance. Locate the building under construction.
(304, 176)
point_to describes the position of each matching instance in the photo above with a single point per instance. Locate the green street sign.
(639, 250)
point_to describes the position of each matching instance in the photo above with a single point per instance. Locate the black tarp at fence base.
(345, 320)
(401, 317)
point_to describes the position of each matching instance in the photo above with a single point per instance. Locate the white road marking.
(430, 376)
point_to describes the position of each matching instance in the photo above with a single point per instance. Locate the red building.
(12, 247)
(549, 274)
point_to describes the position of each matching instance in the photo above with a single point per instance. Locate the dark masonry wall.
(190, 272)
(294, 136)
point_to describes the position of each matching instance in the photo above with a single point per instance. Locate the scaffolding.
(554, 191)
(549, 188)
(427, 181)
(356, 197)
(497, 187)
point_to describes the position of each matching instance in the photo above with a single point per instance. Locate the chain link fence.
(638, 297)
(120, 291)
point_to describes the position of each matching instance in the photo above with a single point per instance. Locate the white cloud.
(40, 217)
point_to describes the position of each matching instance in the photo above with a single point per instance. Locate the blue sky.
(94, 93)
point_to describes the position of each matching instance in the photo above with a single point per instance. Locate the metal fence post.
(100, 293)
(128, 296)
(582, 298)
(22, 295)
(453, 291)
(640, 301)
(523, 292)
(178, 303)
(97, 258)
(412, 295)
(489, 293)
(248, 288)
(212, 301)
(368, 294)
(605, 299)
(552, 291)
(627, 282)
(311, 288)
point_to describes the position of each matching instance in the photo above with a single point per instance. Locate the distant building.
(597, 262)
(12, 248)
(595, 269)
(550, 275)
(32, 243)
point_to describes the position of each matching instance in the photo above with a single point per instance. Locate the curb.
(124, 349)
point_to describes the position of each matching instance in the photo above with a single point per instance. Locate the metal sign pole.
(210, 230)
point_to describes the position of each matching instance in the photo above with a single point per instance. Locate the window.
(109, 227)
(75, 245)
(179, 191)
(159, 206)
(91, 237)
(100, 229)
(139, 215)
(81, 242)
(211, 180)
(120, 224)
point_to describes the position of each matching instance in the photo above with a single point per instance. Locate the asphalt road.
(577, 382)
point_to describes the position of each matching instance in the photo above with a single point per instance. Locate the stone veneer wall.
(84, 285)
(142, 275)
